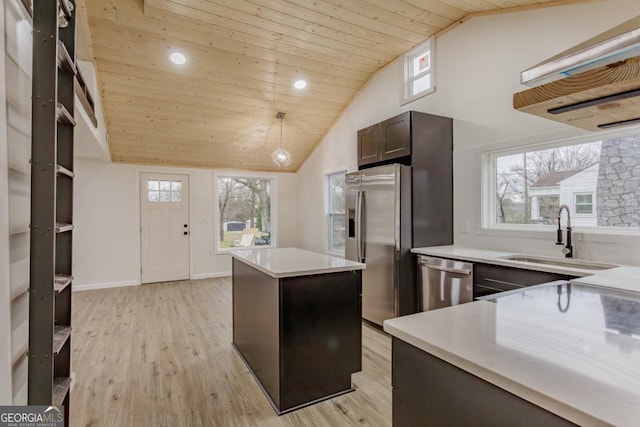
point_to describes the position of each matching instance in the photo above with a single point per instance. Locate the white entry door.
(164, 211)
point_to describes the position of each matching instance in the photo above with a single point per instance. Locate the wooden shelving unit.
(54, 74)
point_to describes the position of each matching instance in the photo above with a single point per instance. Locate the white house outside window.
(417, 72)
(336, 224)
(244, 212)
(584, 204)
(599, 179)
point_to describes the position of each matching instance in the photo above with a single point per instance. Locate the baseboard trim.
(91, 287)
(211, 275)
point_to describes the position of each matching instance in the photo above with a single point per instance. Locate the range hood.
(595, 85)
(617, 44)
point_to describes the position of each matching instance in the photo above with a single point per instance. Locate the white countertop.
(291, 262)
(622, 277)
(494, 257)
(587, 375)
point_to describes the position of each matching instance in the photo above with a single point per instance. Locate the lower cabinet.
(300, 336)
(427, 391)
(490, 279)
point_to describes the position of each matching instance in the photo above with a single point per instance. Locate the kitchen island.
(297, 323)
(548, 355)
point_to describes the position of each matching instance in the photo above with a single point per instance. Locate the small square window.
(417, 72)
(421, 63)
(422, 84)
(164, 191)
(584, 203)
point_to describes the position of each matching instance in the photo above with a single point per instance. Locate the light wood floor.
(161, 355)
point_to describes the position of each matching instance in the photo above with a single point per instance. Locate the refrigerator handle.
(361, 228)
(357, 230)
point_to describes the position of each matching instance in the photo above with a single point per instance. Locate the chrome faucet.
(568, 248)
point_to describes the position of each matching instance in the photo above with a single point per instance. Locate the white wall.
(107, 210)
(90, 141)
(6, 397)
(478, 70)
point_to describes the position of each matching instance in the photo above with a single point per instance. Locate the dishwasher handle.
(462, 271)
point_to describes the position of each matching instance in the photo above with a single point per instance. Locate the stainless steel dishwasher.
(443, 282)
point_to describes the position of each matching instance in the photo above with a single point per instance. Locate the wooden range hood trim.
(606, 97)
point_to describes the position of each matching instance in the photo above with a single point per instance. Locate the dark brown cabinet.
(385, 141)
(300, 336)
(428, 391)
(369, 145)
(489, 279)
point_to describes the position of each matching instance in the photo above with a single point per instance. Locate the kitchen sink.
(567, 262)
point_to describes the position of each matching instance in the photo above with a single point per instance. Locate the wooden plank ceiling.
(218, 110)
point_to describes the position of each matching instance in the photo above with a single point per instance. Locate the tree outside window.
(244, 205)
(600, 180)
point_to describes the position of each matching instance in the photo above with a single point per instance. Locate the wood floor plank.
(161, 355)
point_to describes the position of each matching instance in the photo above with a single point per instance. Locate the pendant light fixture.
(280, 156)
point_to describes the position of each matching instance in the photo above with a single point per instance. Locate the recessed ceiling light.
(177, 58)
(299, 84)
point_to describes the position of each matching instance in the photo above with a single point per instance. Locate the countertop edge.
(495, 260)
(516, 388)
(298, 273)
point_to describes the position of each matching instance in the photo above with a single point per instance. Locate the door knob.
(185, 226)
(186, 232)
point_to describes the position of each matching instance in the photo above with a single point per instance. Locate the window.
(336, 212)
(584, 204)
(244, 212)
(417, 72)
(164, 191)
(600, 180)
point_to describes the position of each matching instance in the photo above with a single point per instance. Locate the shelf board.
(22, 352)
(64, 59)
(64, 171)
(60, 282)
(65, 8)
(19, 231)
(86, 100)
(62, 227)
(20, 291)
(64, 116)
(60, 336)
(60, 389)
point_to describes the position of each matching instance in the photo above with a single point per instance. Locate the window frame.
(330, 213)
(593, 204)
(216, 210)
(488, 224)
(406, 96)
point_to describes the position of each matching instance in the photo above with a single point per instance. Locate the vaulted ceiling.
(218, 110)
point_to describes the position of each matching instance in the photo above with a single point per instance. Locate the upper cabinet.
(369, 145)
(395, 137)
(424, 142)
(388, 140)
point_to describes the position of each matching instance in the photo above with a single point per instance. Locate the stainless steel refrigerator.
(378, 213)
